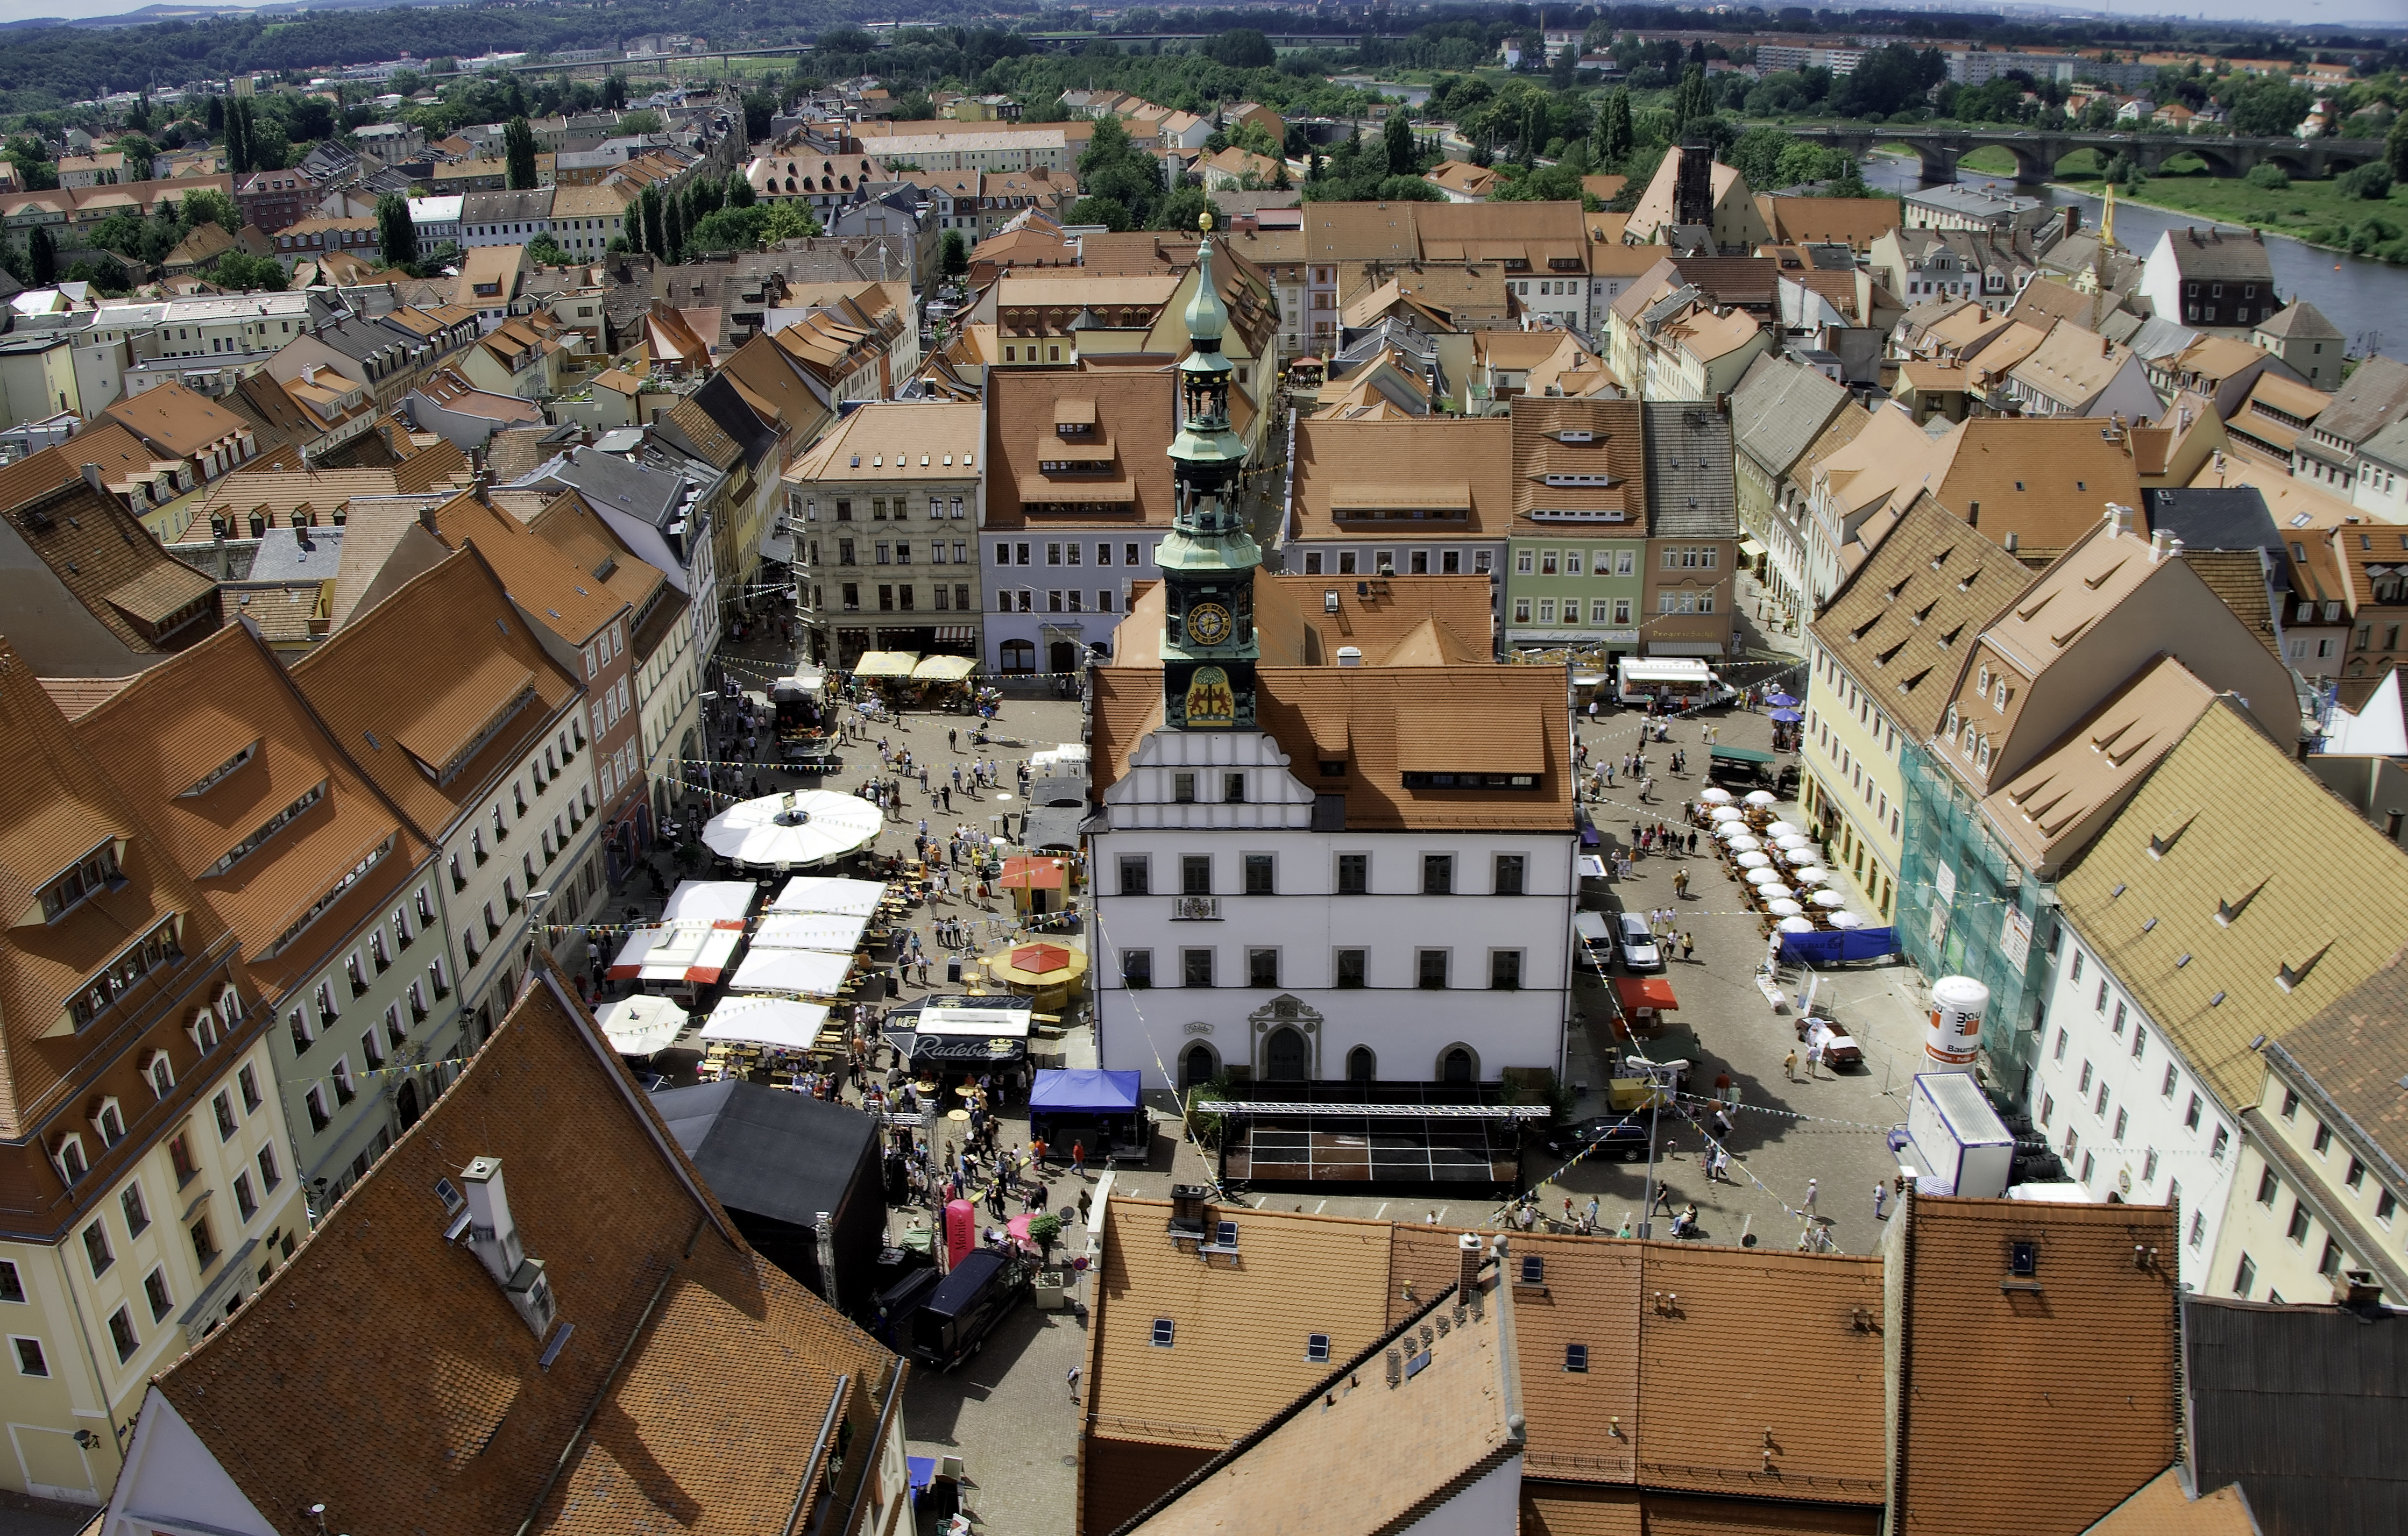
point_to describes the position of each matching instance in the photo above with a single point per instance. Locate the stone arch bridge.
(2036, 152)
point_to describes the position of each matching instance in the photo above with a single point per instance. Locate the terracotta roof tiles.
(380, 1333)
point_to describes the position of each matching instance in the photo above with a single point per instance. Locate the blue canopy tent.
(1103, 1106)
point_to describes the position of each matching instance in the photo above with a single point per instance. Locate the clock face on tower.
(1208, 623)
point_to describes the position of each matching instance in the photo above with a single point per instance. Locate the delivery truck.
(1959, 1143)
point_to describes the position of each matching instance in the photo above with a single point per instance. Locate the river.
(2367, 300)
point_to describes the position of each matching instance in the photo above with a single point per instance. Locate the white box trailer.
(1960, 1145)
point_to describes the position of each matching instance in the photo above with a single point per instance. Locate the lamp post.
(1661, 1076)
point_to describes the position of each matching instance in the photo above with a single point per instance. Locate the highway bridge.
(2037, 151)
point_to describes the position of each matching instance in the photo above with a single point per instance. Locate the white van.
(1675, 682)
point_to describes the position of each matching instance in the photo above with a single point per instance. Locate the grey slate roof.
(1691, 490)
(769, 1151)
(2225, 255)
(501, 207)
(2160, 337)
(2218, 517)
(620, 484)
(2373, 398)
(1778, 409)
(2301, 320)
(2388, 447)
(282, 556)
(2304, 1407)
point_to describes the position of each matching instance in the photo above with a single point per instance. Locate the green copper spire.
(1209, 558)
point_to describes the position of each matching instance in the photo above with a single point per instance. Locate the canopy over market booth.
(1046, 972)
(828, 893)
(959, 1032)
(791, 831)
(782, 1022)
(813, 972)
(895, 664)
(1097, 1109)
(642, 1025)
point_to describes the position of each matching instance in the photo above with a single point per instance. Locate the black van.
(956, 1317)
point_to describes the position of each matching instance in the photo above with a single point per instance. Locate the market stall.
(828, 893)
(795, 830)
(813, 972)
(970, 1034)
(1038, 883)
(810, 930)
(1099, 1109)
(1644, 1001)
(1047, 973)
(640, 1026)
(679, 957)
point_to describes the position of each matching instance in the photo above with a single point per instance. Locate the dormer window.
(210, 781)
(160, 1072)
(110, 1121)
(68, 1154)
(204, 1030)
(97, 871)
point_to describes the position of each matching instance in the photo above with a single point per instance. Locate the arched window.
(1197, 1066)
(1361, 1065)
(1457, 1066)
(1284, 1057)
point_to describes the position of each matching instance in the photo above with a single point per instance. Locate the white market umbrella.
(1828, 899)
(1791, 840)
(642, 1025)
(1714, 796)
(1742, 844)
(1724, 816)
(1845, 919)
(1781, 906)
(1780, 829)
(1795, 924)
(1810, 876)
(1764, 876)
(1754, 861)
(802, 826)
(1762, 797)
(1774, 893)
(1730, 830)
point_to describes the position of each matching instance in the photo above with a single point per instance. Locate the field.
(2314, 211)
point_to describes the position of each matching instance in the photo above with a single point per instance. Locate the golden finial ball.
(1204, 220)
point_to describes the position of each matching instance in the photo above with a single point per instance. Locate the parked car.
(1616, 1135)
(1639, 951)
(1840, 1051)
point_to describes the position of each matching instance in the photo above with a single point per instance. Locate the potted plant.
(1044, 1231)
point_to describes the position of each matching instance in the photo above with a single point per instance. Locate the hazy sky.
(2388, 13)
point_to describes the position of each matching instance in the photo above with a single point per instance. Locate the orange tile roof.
(1133, 415)
(1616, 448)
(102, 556)
(60, 808)
(172, 418)
(573, 603)
(1460, 468)
(421, 675)
(2162, 1507)
(2090, 1343)
(380, 1333)
(181, 720)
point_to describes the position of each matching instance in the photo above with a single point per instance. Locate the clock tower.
(1209, 558)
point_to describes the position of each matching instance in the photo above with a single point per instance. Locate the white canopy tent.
(681, 953)
(828, 893)
(640, 1025)
(800, 828)
(708, 902)
(809, 930)
(767, 1022)
(810, 971)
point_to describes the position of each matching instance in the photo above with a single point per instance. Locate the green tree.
(2371, 181)
(1111, 212)
(216, 120)
(1690, 101)
(1112, 169)
(643, 120)
(2395, 148)
(673, 229)
(759, 107)
(208, 205)
(1615, 137)
(239, 272)
(517, 150)
(137, 150)
(41, 257)
(36, 170)
(791, 220)
(543, 251)
(1241, 47)
(654, 230)
(740, 190)
(396, 237)
(237, 136)
(1402, 160)
(956, 255)
(614, 91)
(1184, 210)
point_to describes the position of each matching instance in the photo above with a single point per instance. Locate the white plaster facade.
(1341, 918)
(2124, 1109)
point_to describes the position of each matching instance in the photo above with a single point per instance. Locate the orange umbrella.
(1040, 957)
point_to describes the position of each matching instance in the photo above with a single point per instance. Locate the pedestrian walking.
(1079, 1160)
(1688, 947)
(1814, 1058)
(1073, 1379)
(1810, 1199)
(1789, 1065)
(1663, 1200)
(1881, 1200)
